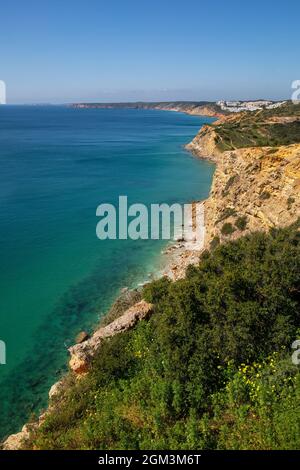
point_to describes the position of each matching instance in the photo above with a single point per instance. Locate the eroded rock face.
(259, 186)
(203, 144)
(81, 354)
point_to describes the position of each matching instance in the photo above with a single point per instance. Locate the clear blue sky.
(118, 50)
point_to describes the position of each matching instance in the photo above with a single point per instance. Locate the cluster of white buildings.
(238, 106)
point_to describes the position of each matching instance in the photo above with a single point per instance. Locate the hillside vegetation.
(211, 369)
(271, 128)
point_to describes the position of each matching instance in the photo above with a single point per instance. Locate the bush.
(265, 195)
(290, 202)
(227, 229)
(215, 242)
(228, 212)
(210, 369)
(241, 222)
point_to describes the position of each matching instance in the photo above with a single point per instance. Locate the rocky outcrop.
(204, 144)
(16, 441)
(82, 336)
(81, 354)
(56, 389)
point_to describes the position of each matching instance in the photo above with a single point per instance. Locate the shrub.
(241, 222)
(227, 229)
(215, 242)
(265, 195)
(229, 183)
(290, 202)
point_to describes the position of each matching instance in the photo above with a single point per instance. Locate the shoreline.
(204, 109)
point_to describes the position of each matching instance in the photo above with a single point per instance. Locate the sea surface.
(57, 164)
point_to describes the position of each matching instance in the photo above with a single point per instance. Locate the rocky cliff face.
(253, 188)
(204, 144)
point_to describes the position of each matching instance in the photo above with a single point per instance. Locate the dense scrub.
(211, 368)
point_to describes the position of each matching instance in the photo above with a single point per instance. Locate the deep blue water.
(56, 278)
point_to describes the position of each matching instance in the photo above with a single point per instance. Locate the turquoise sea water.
(57, 165)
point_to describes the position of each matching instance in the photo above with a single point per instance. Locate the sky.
(63, 51)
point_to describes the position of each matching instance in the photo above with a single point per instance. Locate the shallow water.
(56, 278)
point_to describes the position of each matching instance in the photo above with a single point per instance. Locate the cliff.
(197, 108)
(254, 188)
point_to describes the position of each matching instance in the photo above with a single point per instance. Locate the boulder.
(82, 336)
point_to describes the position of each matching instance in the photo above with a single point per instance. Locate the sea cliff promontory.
(256, 185)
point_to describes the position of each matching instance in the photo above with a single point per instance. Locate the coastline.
(174, 260)
(253, 189)
(202, 108)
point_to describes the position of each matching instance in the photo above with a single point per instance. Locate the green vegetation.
(241, 222)
(211, 368)
(215, 242)
(227, 229)
(287, 110)
(256, 129)
(290, 202)
(265, 195)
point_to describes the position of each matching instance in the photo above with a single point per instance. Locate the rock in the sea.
(82, 336)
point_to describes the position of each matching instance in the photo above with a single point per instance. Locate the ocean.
(57, 164)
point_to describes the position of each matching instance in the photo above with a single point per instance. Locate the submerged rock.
(82, 336)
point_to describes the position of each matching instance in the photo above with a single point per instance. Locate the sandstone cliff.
(253, 188)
